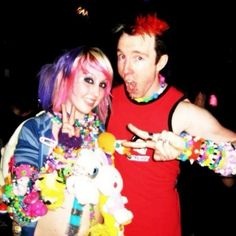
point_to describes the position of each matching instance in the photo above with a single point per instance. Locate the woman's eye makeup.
(89, 80)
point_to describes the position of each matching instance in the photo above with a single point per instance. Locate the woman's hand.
(69, 135)
(68, 122)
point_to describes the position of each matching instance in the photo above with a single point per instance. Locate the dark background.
(36, 32)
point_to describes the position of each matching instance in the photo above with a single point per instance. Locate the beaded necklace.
(62, 161)
(64, 156)
(89, 128)
(154, 96)
(147, 99)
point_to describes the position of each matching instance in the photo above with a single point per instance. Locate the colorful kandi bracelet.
(220, 158)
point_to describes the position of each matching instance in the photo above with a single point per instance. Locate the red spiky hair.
(150, 24)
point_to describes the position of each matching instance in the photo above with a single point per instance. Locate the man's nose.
(127, 68)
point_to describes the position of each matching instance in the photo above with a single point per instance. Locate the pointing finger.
(140, 133)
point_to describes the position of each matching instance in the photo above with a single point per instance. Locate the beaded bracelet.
(220, 158)
(69, 142)
(228, 165)
(24, 203)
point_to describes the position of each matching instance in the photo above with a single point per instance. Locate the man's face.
(136, 64)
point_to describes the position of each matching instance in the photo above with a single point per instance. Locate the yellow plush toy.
(52, 189)
(109, 144)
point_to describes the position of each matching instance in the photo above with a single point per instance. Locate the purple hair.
(56, 80)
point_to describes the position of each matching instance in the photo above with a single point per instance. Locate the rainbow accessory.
(89, 128)
(23, 200)
(60, 164)
(147, 99)
(63, 166)
(220, 158)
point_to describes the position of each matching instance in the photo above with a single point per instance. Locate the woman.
(75, 95)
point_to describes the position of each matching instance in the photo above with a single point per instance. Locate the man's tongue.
(131, 87)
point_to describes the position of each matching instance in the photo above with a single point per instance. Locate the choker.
(147, 99)
(154, 96)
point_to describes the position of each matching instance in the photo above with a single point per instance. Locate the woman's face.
(88, 91)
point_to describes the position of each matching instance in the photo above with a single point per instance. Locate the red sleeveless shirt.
(150, 186)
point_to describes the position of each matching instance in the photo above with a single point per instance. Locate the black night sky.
(34, 33)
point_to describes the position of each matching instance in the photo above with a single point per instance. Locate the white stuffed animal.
(81, 183)
(110, 184)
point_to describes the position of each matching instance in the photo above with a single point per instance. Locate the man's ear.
(162, 62)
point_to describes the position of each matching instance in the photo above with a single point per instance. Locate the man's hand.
(166, 145)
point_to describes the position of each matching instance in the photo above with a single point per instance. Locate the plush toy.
(109, 144)
(112, 203)
(34, 206)
(21, 185)
(52, 189)
(106, 141)
(81, 183)
(109, 183)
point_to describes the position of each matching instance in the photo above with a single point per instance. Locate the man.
(146, 101)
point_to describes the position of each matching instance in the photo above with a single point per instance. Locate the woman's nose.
(95, 90)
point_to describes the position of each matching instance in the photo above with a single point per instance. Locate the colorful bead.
(61, 161)
(220, 158)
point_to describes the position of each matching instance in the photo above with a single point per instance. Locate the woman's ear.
(162, 62)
